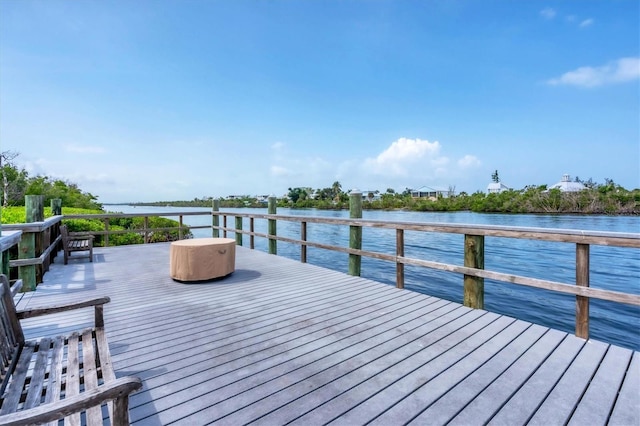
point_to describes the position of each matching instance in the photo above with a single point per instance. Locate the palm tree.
(336, 189)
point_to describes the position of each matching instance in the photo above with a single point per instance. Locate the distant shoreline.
(371, 206)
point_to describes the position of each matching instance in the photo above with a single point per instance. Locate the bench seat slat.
(68, 379)
(72, 387)
(90, 370)
(54, 384)
(36, 385)
(19, 377)
(106, 367)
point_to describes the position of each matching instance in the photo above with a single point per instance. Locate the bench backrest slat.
(11, 335)
(65, 234)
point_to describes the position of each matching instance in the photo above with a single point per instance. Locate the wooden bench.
(77, 242)
(65, 377)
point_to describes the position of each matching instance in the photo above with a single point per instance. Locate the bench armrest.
(50, 412)
(85, 303)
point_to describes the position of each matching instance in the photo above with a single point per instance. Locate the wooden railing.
(8, 240)
(474, 251)
(36, 249)
(146, 230)
(473, 270)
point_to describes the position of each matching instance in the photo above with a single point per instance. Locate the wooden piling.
(56, 207)
(238, 228)
(474, 258)
(303, 237)
(215, 219)
(355, 232)
(271, 209)
(54, 231)
(106, 232)
(146, 229)
(34, 208)
(27, 250)
(400, 253)
(4, 256)
(252, 229)
(582, 279)
(34, 212)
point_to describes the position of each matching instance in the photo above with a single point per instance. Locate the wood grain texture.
(47, 379)
(281, 341)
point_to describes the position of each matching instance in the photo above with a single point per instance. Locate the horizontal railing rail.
(473, 270)
(36, 249)
(146, 230)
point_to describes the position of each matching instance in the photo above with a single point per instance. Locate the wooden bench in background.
(77, 243)
(50, 379)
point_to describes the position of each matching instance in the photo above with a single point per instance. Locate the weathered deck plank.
(279, 341)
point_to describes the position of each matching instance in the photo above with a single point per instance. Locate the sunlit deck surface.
(279, 341)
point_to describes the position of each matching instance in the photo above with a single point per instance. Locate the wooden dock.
(281, 342)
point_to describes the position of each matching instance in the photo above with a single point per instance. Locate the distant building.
(371, 195)
(497, 187)
(428, 192)
(566, 185)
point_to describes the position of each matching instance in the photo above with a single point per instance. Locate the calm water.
(611, 268)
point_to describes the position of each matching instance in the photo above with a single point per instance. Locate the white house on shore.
(566, 185)
(431, 193)
(497, 187)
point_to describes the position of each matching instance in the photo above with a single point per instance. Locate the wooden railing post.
(106, 233)
(146, 229)
(215, 219)
(303, 237)
(34, 208)
(400, 253)
(271, 209)
(582, 279)
(224, 225)
(251, 236)
(474, 258)
(4, 256)
(355, 232)
(56, 210)
(56, 207)
(4, 263)
(180, 223)
(238, 228)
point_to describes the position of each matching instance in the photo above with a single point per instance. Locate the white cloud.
(84, 149)
(403, 153)
(280, 171)
(277, 146)
(586, 23)
(548, 13)
(468, 161)
(620, 71)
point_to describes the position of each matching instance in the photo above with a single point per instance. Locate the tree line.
(16, 183)
(596, 198)
(606, 198)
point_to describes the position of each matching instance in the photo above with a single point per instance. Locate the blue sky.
(172, 100)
